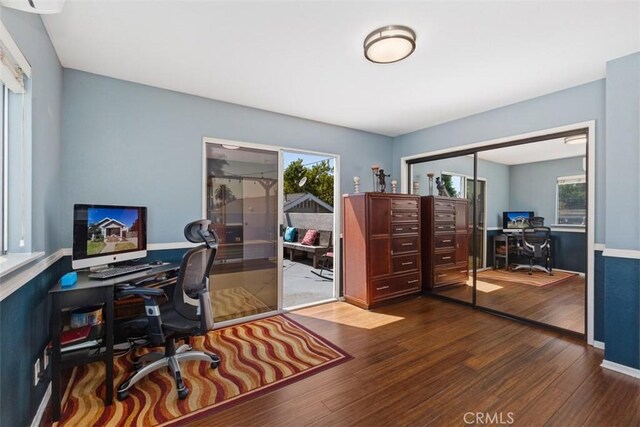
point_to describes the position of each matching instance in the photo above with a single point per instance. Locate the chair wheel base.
(182, 394)
(122, 395)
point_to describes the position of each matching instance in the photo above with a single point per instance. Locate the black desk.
(510, 241)
(88, 292)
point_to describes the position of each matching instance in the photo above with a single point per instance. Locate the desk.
(510, 242)
(88, 292)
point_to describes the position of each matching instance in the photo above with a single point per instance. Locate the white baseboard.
(598, 344)
(632, 372)
(37, 419)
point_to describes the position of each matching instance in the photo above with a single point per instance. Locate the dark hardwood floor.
(561, 304)
(430, 362)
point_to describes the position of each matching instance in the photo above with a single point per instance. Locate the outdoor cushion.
(310, 237)
(290, 234)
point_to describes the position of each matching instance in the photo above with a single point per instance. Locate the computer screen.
(516, 220)
(104, 234)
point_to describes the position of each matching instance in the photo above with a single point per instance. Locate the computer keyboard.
(118, 271)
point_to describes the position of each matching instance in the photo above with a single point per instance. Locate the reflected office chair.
(536, 221)
(176, 319)
(535, 243)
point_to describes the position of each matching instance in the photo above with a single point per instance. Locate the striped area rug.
(538, 278)
(233, 303)
(257, 357)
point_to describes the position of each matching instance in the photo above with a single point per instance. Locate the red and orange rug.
(256, 357)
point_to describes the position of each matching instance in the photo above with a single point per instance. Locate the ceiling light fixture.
(576, 139)
(388, 44)
(230, 147)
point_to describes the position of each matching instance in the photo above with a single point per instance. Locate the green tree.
(319, 180)
(223, 194)
(449, 186)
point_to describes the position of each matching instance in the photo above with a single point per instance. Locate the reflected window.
(571, 200)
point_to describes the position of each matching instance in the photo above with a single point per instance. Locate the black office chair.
(176, 319)
(535, 243)
(536, 221)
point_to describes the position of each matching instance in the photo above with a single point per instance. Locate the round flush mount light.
(576, 139)
(230, 147)
(388, 44)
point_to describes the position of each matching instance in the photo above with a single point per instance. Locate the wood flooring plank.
(429, 362)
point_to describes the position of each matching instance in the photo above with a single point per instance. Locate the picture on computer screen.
(112, 230)
(516, 220)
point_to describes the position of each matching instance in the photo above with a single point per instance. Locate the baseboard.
(37, 419)
(632, 372)
(598, 344)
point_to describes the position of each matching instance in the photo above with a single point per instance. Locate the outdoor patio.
(301, 286)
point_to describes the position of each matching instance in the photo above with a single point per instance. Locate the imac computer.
(105, 234)
(515, 221)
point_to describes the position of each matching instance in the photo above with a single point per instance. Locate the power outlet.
(36, 372)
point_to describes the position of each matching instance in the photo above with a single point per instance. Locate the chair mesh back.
(194, 273)
(535, 240)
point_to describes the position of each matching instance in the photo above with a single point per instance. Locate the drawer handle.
(407, 244)
(407, 263)
(414, 228)
(446, 257)
(398, 229)
(382, 287)
(464, 271)
(446, 241)
(441, 275)
(413, 281)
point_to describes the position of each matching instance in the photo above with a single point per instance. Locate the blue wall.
(133, 144)
(533, 185)
(622, 275)
(577, 104)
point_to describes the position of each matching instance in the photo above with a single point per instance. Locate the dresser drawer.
(400, 245)
(445, 241)
(450, 275)
(449, 217)
(404, 216)
(397, 229)
(444, 228)
(404, 263)
(444, 205)
(394, 286)
(404, 204)
(444, 258)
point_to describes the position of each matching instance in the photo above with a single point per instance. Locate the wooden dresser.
(381, 247)
(445, 241)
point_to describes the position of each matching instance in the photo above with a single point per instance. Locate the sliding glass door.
(242, 204)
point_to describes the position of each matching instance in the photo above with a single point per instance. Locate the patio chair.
(326, 265)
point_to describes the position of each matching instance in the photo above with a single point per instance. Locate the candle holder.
(430, 175)
(394, 186)
(356, 184)
(374, 169)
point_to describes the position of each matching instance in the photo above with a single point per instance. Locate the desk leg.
(109, 344)
(56, 327)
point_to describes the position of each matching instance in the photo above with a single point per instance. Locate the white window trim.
(580, 179)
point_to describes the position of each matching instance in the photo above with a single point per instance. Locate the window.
(571, 200)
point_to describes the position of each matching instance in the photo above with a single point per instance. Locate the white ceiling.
(305, 58)
(551, 149)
